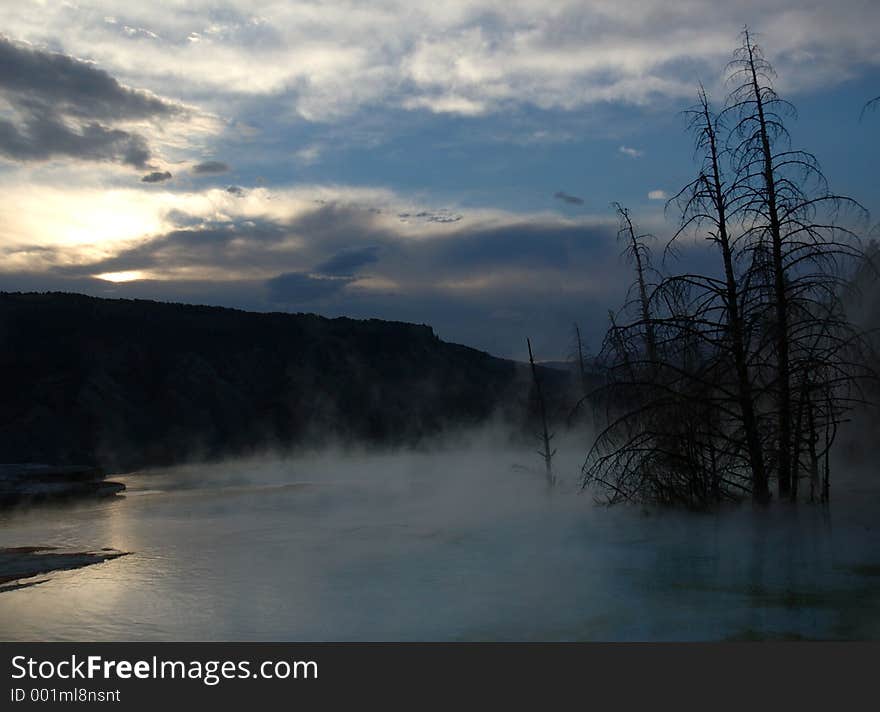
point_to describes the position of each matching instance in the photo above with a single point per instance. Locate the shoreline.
(37, 482)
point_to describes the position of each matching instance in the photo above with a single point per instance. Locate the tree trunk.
(546, 453)
(650, 340)
(760, 482)
(779, 289)
(581, 367)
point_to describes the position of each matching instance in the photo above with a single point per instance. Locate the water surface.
(456, 545)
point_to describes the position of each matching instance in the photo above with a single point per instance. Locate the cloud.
(156, 177)
(566, 198)
(139, 33)
(309, 155)
(339, 241)
(43, 137)
(324, 230)
(431, 216)
(468, 57)
(294, 288)
(348, 261)
(75, 88)
(631, 152)
(235, 190)
(212, 249)
(657, 195)
(210, 168)
(215, 234)
(60, 106)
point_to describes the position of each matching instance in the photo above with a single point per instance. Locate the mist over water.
(461, 541)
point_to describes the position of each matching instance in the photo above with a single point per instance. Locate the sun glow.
(121, 276)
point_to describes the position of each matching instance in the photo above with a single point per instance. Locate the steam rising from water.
(462, 541)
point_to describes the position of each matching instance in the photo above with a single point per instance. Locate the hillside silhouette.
(124, 383)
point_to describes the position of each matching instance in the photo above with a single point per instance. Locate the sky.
(450, 163)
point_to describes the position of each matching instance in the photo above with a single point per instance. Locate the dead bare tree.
(637, 251)
(546, 452)
(759, 125)
(579, 358)
(790, 224)
(581, 364)
(653, 434)
(706, 204)
(717, 383)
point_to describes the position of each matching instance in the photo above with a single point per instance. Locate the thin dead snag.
(582, 367)
(546, 452)
(637, 251)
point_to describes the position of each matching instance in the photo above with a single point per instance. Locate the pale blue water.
(454, 546)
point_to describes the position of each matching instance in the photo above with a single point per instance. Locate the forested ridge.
(124, 383)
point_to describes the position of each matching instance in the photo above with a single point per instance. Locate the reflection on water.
(434, 547)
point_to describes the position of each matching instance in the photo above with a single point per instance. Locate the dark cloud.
(526, 245)
(235, 189)
(41, 137)
(73, 87)
(181, 218)
(210, 168)
(340, 226)
(337, 240)
(443, 216)
(156, 177)
(349, 260)
(566, 198)
(64, 106)
(294, 288)
(197, 244)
